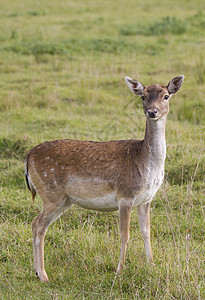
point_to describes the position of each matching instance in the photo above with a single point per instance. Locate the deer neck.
(154, 144)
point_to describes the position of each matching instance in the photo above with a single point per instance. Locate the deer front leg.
(124, 213)
(143, 211)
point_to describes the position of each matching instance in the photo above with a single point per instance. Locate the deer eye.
(166, 97)
(143, 98)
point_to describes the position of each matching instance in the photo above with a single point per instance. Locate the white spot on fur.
(44, 174)
(48, 157)
(52, 169)
(62, 167)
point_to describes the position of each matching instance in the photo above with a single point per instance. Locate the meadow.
(62, 66)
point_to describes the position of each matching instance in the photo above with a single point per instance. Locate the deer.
(103, 176)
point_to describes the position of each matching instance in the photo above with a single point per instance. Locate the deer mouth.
(153, 119)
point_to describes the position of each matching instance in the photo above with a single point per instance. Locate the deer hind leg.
(40, 225)
(143, 211)
(125, 214)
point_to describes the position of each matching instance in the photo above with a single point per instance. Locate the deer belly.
(92, 194)
(105, 203)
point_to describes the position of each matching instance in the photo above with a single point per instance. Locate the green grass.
(166, 25)
(62, 68)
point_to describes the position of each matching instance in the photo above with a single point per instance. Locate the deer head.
(155, 97)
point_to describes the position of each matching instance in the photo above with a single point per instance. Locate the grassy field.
(62, 67)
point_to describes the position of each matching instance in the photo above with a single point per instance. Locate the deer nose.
(152, 113)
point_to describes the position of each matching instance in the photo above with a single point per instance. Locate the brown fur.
(87, 160)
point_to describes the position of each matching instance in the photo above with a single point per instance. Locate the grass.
(166, 25)
(62, 67)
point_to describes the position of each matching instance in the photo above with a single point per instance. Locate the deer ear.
(175, 84)
(135, 86)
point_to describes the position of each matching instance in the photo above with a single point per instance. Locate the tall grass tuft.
(164, 26)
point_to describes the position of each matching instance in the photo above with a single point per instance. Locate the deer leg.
(143, 211)
(33, 225)
(125, 213)
(40, 225)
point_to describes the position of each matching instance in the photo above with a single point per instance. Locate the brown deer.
(103, 176)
